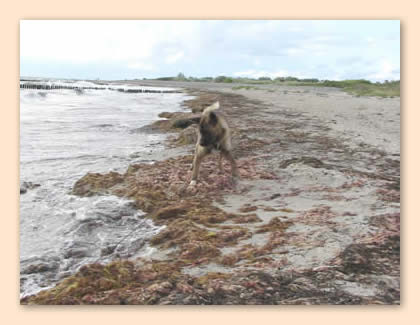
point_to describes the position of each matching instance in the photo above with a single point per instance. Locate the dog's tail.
(211, 108)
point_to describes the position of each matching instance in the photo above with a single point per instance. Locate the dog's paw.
(235, 180)
(192, 188)
(193, 183)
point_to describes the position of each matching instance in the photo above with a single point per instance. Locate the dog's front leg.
(200, 152)
(220, 163)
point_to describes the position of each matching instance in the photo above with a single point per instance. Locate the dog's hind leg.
(235, 173)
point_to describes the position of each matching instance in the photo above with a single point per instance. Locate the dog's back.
(213, 129)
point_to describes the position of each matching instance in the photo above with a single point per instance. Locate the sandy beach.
(315, 218)
(373, 120)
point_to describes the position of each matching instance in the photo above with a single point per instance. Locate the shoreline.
(73, 248)
(307, 205)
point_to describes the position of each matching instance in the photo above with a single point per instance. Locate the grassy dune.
(358, 87)
(354, 87)
(365, 87)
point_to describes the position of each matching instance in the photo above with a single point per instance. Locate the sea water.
(65, 134)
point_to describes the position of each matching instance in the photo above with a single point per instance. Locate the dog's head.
(209, 126)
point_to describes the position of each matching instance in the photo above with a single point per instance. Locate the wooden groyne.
(81, 88)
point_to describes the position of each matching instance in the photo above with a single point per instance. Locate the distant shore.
(357, 87)
(314, 220)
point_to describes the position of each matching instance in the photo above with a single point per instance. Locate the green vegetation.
(223, 79)
(359, 87)
(246, 88)
(367, 88)
(182, 77)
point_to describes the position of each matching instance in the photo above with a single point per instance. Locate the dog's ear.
(213, 118)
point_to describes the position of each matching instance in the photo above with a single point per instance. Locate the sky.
(130, 49)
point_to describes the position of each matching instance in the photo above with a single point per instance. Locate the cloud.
(141, 66)
(261, 73)
(385, 71)
(294, 51)
(85, 41)
(172, 58)
(370, 41)
(92, 40)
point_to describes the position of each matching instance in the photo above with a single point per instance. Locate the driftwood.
(81, 88)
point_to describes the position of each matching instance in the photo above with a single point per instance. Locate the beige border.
(12, 12)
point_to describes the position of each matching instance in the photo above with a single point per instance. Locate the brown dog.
(214, 133)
